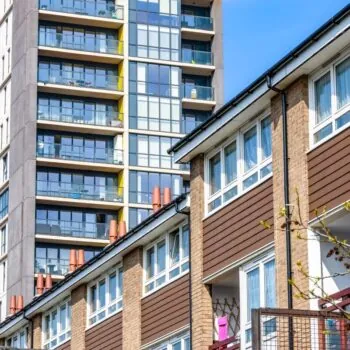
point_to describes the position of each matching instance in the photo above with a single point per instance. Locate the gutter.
(333, 21)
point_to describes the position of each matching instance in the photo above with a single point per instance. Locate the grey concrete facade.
(21, 229)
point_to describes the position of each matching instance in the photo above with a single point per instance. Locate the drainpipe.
(189, 265)
(283, 95)
(30, 329)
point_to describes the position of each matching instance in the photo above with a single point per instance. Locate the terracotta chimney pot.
(167, 195)
(48, 282)
(40, 284)
(13, 304)
(72, 260)
(81, 257)
(156, 200)
(122, 229)
(20, 303)
(113, 230)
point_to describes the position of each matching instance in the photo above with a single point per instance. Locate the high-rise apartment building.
(101, 89)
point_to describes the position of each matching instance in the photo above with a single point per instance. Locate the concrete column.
(298, 145)
(132, 293)
(202, 310)
(21, 227)
(78, 325)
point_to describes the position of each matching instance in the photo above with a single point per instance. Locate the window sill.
(104, 319)
(328, 138)
(164, 285)
(207, 215)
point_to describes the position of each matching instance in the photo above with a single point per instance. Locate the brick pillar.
(132, 293)
(298, 145)
(78, 320)
(202, 311)
(36, 332)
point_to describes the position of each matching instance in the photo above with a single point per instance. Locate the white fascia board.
(184, 153)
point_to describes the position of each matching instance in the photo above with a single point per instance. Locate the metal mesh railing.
(283, 329)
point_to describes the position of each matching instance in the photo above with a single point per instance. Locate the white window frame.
(3, 227)
(183, 260)
(238, 136)
(60, 332)
(167, 344)
(335, 113)
(93, 316)
(14, 341)
(259, 262)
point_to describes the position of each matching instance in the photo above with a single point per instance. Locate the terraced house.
(97, 92)
(213, 275)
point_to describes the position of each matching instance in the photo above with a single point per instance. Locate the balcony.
(197, 62)
(90, 196)
(78, 83)
(97, 158)
(156, 161)
(72, 46)
(73, 229)
(196, 27)
(80, 119)
(56, 267)
(96, 13)
(197, 97)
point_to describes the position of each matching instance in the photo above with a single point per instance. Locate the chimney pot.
(40, 284)
(72, 260)
(113, 230)
(156, 200)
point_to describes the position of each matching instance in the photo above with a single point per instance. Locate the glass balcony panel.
(196, 92)
(94, 8)
(80, 153)
(52, 266)
(196, 22)
(81, 43)
(79, 191)
(197, 57)
(78, 78)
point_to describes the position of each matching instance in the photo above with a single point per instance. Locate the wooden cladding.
(107, 335)
(329, 173)
(235, 230)
(65, 346)
(166, 310)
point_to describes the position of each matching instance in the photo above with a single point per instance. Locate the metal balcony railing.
(80, 79)
(94, 8)
(74, 229)
(80, 116)
(196, 92)
(80, 153)
(196, 22)
(81, 43)
(197, 57)
(79, 191)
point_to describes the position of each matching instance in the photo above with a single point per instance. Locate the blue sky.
(257, 33)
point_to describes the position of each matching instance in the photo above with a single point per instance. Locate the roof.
(177, 204)
(293, 54)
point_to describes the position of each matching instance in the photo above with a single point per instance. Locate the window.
(178, 342)
(18, 340)
(57, 325)
(4, 199)
(5, 167)
(258, 289)
(330, 100)
(3, 240)
(239, 164)
(166, 259)
(137, 215)
(105, 296)
(3, 280)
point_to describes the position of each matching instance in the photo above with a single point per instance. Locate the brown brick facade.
(202, 313)
(132, 293)
(298, 145)
(78, 323)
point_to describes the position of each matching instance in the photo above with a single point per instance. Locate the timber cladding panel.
(166, 310)
(105, 336)
(65, 346)
(329, 173)
(235, 231)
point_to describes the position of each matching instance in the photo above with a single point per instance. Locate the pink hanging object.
(223, 328)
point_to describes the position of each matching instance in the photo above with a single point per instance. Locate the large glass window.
(4, 203)
(167, 258)
(137, 215)
(141, 185)
(178, 342)
(57, 325)
(331, 100)
(18, 340)
(258, 289)
(239, 164)
(105, 296)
